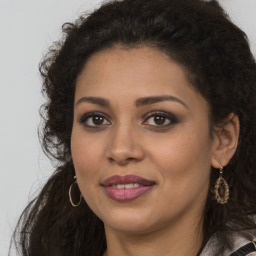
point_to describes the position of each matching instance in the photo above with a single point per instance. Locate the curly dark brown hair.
(196, 34)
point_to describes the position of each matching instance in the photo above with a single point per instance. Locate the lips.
(127, 179)
(126, 188)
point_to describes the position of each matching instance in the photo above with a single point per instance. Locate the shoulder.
(249, 249)
(241, 247)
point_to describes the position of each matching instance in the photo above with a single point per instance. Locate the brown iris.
(159, 120)
(98, 120)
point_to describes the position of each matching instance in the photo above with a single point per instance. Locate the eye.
(94, 120)
(161, 120)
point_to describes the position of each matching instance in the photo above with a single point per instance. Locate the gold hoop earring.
(221, 189)
(70, 196)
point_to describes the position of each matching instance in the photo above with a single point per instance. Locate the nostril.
(122, 152)
(121, 159)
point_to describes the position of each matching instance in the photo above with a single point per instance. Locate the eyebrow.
(95, 100)
(155, 99)
(138, 103)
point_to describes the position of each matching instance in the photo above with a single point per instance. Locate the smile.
(126, 188)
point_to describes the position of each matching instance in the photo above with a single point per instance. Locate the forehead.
(134, 72)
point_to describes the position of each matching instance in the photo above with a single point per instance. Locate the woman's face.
(141, 141)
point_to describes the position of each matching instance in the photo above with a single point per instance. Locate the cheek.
(183, 160)
(180, 147)
(86, 154)
(183, 165)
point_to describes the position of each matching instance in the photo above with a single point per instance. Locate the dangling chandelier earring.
(221, 189)
(70, 194)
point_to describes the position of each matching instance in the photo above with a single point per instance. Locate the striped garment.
(242, 247)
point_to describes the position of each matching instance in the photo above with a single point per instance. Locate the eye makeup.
(160, 119)
(94, 120)
(154, 120)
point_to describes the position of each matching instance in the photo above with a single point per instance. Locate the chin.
(130, 221)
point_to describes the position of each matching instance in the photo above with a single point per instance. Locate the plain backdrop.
(28, 27)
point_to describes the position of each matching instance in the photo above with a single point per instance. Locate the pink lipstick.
(126, 188)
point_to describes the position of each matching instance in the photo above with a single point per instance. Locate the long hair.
(216, 56)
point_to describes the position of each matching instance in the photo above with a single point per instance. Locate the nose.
(124, 146)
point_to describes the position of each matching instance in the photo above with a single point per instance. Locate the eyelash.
(85, 118)
(167, 116)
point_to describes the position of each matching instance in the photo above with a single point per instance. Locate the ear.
(225, 141)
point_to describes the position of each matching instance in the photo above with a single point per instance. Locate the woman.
(150, 114)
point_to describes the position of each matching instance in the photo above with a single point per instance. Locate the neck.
(177, 240)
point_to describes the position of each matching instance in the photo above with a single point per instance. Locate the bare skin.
(164, 138)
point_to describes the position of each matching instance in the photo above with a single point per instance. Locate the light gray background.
(28, 27)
